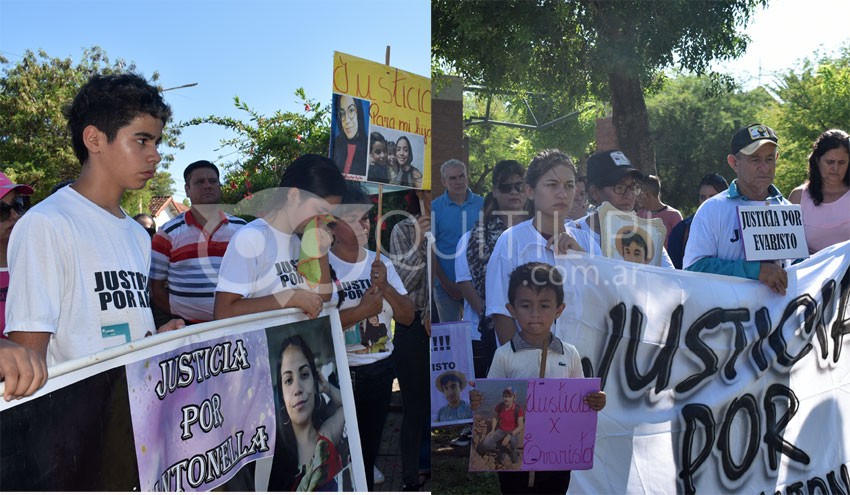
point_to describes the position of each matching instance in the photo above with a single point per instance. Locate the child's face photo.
(378, 153)
(508, 400)
(535, 311)
(452, 392)
(635, 253)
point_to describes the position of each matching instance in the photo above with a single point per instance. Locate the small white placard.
(772, 232)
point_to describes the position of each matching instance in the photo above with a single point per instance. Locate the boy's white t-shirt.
(367, 341)
(516, 359)
(462, 274)
(80, 274)
(522, 244)
(260, 260)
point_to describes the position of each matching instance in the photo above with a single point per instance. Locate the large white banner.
(715, 384)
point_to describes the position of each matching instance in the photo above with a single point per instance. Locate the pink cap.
(6, 185)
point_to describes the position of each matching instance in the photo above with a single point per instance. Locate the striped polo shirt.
(189, 257)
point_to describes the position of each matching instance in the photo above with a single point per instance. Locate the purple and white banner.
(225, 403)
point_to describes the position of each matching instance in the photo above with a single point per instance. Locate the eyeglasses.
(622, 188)
(6, 209)
(507, 187)
(350, 112)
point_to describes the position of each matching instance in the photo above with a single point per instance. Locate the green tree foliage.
(35, 144)
(587, 49)
(815, 98)
(265, 146)
(489, 143)
(692, 120)
(139, 201)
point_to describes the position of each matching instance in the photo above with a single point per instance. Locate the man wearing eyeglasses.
(612, 178)
(714, 242)
(452, 214)
(187, 251)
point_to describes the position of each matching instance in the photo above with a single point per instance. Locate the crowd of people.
(497, 240)
(78, 275)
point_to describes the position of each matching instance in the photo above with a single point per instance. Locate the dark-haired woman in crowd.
(709, 185)
(374, 296)
(825, 197)
(349, 145)
(261, 269)
(503, 208)
(408, 175)
(309, 429)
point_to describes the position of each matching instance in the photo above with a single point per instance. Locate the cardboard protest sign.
(380, 123)
(192, 409)
(773, 232)
(539, 424)
(714, 384)
(626, 236)
(451, 370)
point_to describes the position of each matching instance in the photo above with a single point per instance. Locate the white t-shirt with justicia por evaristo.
(79, 273)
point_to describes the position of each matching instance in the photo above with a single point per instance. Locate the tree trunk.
(631, 122)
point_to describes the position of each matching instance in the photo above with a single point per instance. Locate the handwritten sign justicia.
(560, 432)
(380, 123)
(772, 232)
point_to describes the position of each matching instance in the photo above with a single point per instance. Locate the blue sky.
(261, 51)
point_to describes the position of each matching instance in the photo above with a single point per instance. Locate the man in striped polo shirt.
(187, 250)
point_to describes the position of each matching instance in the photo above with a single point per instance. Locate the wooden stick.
(378, 222)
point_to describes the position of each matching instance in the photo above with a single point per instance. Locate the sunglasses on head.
(6, 209)
(507, 187)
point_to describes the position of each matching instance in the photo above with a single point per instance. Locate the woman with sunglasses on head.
(550, 189)
(11, 209)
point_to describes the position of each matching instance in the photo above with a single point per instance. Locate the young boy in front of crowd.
(536, 300)
(78, 262)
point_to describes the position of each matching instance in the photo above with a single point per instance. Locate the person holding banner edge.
(262, 269)
(78, 263)
(825, 197)
(715, 244)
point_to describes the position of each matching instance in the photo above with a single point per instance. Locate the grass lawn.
(450, 467)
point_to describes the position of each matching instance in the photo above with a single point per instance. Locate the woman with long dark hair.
(350, 140)
(309, 427)
(825, 197)
(408, 175)
(264, 267)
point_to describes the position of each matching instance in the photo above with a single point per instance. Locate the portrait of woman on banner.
(408, 174)
(350, 140)
(310, 424)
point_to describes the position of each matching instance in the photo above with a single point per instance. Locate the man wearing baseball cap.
(612, 178)
(715, 244)
(22, 370)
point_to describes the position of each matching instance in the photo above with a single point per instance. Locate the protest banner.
(212, 405)
(556, 429)
(773, 232)
(380, 123)
(451, 370)
(714, 384)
